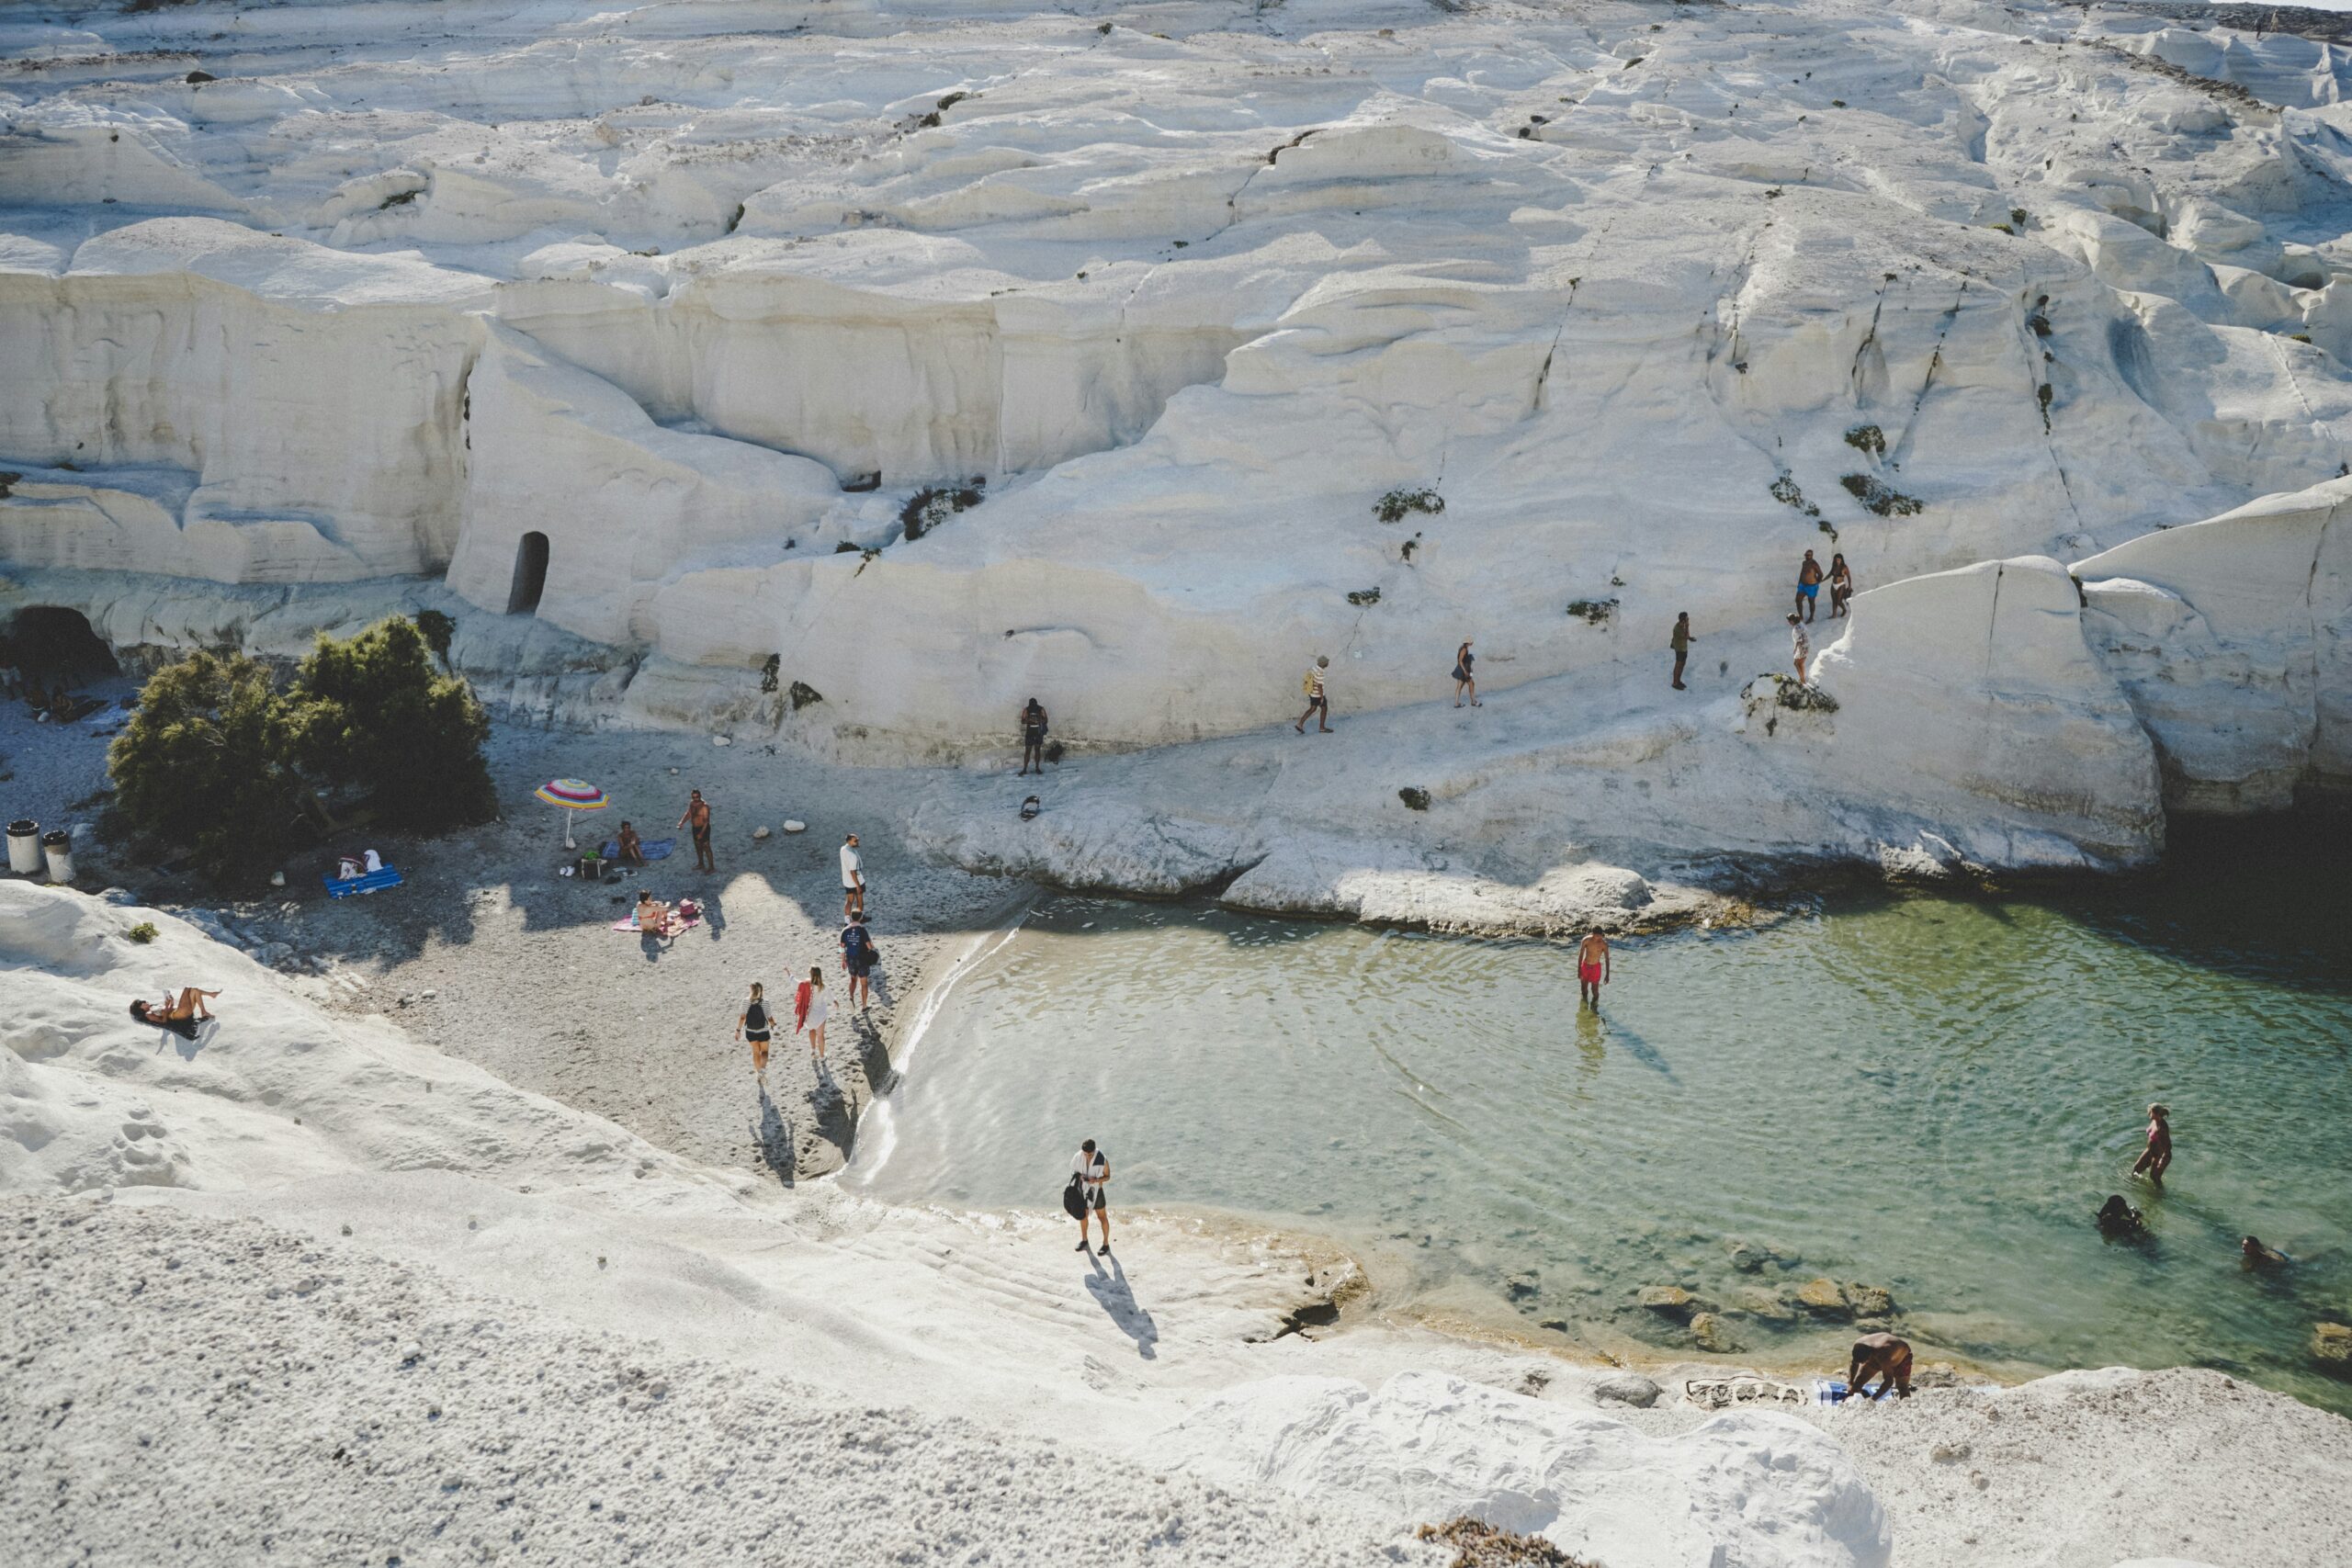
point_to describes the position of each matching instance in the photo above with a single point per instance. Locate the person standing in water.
(1809, 585)
(810, 1009)
(1032, 736)
(1880, 1355)
(1800, 647)
(1592, 969)
(697, 816)
(1681, 643)
(1093, 1168)
(752, 1024)
(1317, 700)
(1464, 661)
(2157, 1155)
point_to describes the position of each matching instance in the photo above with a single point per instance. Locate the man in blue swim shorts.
(1809, 585)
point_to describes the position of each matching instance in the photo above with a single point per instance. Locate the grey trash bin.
(24, 847)
(58, 846)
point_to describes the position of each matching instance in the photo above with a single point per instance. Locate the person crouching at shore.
(1884, 1357)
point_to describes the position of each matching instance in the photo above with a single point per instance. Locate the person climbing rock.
(698, 818)
(1800, 645)
(1681, 643)
(1808, 585)
(2156, 1157)
(1317, 700)
(1882, 1356)
(1032, 736)
(1093, 1169)
(1592, 969)
(1464, 661)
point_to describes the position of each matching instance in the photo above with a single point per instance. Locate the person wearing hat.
(1317, 700)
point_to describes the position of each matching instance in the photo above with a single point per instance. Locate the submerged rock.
(1871, 1300)
(1825, 1298)
(1668, 1300)
(1713, 1334)
(2331, 1344)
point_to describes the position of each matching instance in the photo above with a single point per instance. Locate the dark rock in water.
(1668, 1300)
(1627, 1388)
(1713, 1334)
(1754, 1257)
(1765, 1305)
(1871, 1300)
(2332, 1345)
(1823, 1298)
(1521, 1286)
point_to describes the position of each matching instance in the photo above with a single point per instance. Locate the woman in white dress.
(810, 1008)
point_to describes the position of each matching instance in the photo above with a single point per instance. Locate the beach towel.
(629, 925)
(655, 849)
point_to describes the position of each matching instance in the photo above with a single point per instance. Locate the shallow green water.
(1924, 1093)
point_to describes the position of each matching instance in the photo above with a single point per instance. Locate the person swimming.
(2117, 1219)
(2254, 1255)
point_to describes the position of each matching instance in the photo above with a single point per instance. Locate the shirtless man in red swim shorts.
(1592, 969)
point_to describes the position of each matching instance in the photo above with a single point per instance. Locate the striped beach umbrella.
(572, 795)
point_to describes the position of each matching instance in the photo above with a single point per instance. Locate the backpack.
(1306, 684)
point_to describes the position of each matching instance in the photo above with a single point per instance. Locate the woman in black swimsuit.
(754, 1024)
(1463, 681)
(1841, 584)
(1032, 736)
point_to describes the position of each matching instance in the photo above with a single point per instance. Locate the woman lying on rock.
(179, 1011)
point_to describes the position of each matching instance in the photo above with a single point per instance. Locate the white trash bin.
(58, 846)
(24, 847)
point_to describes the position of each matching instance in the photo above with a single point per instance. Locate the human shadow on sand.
(772, 1134)
(1109, 1288)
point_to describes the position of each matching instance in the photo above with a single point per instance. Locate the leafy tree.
(199, 764)
(438, 631)
(373, 713)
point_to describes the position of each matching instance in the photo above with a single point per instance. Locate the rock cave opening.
(51, 643)
(530, 574)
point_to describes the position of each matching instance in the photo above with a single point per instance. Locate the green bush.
(438, 631)
(201, 763)
(373, 714)
(142, 933)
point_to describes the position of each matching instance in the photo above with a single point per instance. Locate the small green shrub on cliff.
(143, 934)
(1394, 506)
(438, 631)
(1876, 496)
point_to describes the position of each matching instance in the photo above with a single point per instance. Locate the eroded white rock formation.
(651, 333)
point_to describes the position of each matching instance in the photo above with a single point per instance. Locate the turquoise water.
(1924, 1093)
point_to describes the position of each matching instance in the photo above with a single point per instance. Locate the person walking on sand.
(810, 1010)
(1464, 661)
(857, 961)
(1800, 645)
(1809, 585)
(1841, 583)
(2155, 1159)
(853, 880)
(1681, 643)
(697, 816)
(1592, 969)
(1093, 1169)
(1032, 736)
(752, 1024)
(1317, 700)
(1882, 1356)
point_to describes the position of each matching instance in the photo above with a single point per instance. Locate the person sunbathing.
(653, 915)
(179, 1012)
(632, 848)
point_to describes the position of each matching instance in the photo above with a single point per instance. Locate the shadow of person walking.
(1110, 1289)
(772, 1134)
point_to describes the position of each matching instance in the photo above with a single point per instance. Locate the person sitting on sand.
(1882, 1356)
(2118, 1220)
(2157, 1157)
(632, 848)
(653, 915)
(2253, 1255)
